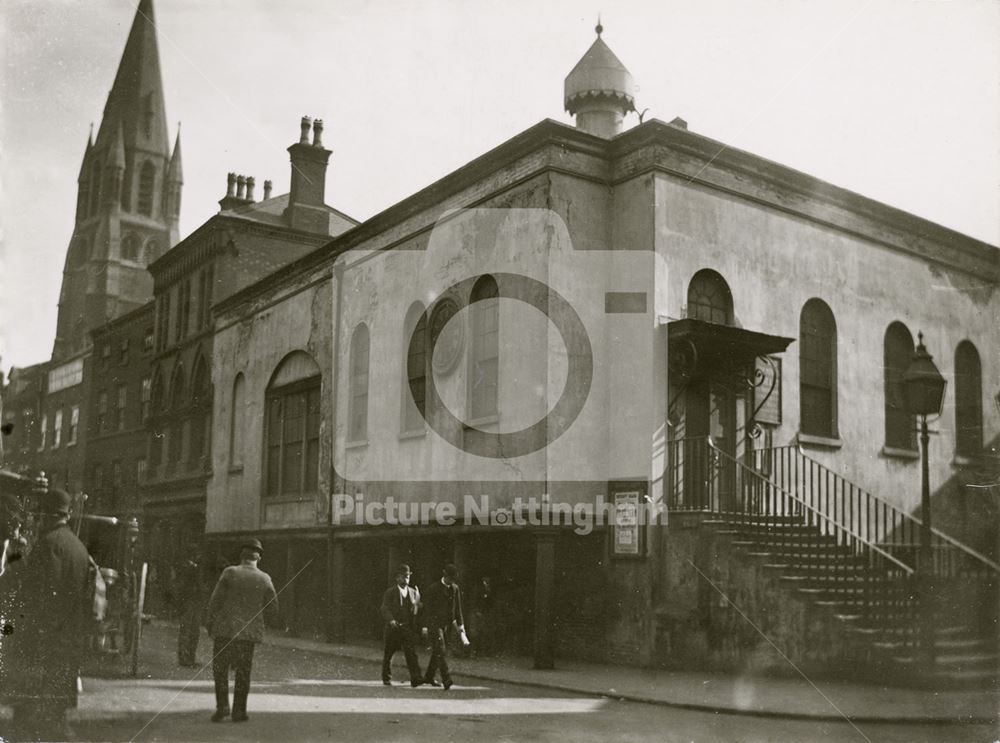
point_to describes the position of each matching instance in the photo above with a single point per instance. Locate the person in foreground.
(442, 609)
(400, 604)
(53, 626)
(236, 612)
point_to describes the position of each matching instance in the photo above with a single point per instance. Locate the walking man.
(53, 627)
(442, 609)
(236, 623)
(190, 597)
(400, 604)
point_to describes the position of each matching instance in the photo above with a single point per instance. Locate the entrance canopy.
(697, 348)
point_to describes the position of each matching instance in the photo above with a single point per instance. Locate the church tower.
(128, 199)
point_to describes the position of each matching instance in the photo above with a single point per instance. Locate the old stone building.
(695, 404)
(245, 241)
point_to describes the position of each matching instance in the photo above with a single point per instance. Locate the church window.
(131, 245)
(818, 369)
(709, 298)
(147, 183)
(968, 400)
(900, 427)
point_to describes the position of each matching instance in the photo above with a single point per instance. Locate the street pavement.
(300, 693)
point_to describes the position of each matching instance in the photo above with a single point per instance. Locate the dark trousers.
(397, 638)
(187, 636)
(238, 655)
(439, 657)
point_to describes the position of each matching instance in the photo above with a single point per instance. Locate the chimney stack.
(306, 208)
(239, 191)
(267, 190)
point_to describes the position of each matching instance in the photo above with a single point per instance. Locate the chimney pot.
(267, 190)
(250, 185)
(305, 124)
(318, 133)
(241, 186)
(231, 184)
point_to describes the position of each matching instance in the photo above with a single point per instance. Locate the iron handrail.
(818, 513)
(900, 514)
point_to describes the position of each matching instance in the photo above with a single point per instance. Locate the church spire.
(136, 97)
(128, 201)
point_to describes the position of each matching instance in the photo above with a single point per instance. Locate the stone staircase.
(874, 602)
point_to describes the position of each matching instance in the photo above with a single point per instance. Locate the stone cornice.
(659, 147)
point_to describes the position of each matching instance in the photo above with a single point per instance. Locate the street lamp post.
(923, 387)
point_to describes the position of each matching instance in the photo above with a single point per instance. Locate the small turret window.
(147, 181)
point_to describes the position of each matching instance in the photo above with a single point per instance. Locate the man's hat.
(403, 569)
(55, 502)
(252, 544)
(451, 571)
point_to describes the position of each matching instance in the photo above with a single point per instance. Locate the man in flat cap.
(53, 626)
(400, 604)
(236, 612)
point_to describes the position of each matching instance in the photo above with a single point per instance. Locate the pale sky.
(898, 100)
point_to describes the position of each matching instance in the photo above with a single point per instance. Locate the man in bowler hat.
(52, 627)
(400, 604)
(442, 609)
(236, 611)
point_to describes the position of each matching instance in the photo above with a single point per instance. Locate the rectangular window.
(293, 442)
(102, 411)
(106, 356)
(116, 473)
(57, 429)
(44, 431)
(123, 352)
(98, 476)
(74, 424)
(140, 470)
(120, 410)
(147, 340)
(163, 322)
(146, 400)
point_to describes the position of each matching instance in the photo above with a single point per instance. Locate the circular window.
(447, 337)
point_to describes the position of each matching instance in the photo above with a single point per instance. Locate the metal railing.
(841, 565)
(872, 519)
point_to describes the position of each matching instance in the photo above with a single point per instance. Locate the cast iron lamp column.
(923, 387)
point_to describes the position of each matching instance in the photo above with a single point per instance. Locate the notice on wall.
(627, 526)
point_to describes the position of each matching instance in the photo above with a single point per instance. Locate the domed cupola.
(600, 90)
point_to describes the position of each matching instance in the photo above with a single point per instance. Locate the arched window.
(968, 400)
(237, 421)
(201, 396)
(484, 376)
(818, 370)
(900, 426)
(358, 405)
(177, 400)
(415, 374)
(151, 252)
(709, 298)
(147, 184)
(131, 245)
(292, 427)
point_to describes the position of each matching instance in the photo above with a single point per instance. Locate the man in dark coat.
(52, 625)
(400, 604)
(191, 601)
(236, 622)
(442, 609)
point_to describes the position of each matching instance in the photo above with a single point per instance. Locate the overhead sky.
(898, 100)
